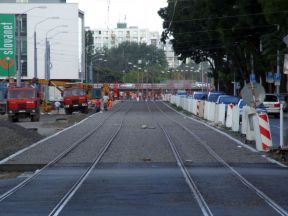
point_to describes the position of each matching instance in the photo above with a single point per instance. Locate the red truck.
(75, 99)
(23, 102)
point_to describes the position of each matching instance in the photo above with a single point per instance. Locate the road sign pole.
(281, 126)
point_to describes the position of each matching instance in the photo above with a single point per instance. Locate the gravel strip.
(140, 140)
(14, 137)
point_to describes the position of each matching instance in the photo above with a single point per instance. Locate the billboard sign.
(7, 45)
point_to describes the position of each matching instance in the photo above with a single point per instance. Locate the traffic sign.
(269, 77)
(252, 78)
(253, 94)
(277, 78)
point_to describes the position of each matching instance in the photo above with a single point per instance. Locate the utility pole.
(91, 72)
(278, 71)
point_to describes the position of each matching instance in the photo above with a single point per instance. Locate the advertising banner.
(7, 45)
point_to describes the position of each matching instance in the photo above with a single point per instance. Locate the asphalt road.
(140, 173)
(275, 129)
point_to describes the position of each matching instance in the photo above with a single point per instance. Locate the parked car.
(227, 99)
(213, 96)
(198, 95)
(284, 100)
(181, 93)
(272, 104)
(259, 109)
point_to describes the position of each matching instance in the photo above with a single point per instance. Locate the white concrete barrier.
(178, 101)
(244, 120)
(229, 116)
(186, 103)
(190, 105)
(212, 108)
(221, 114)
(250, 133)
(194, 107)
(182, 102)
(206, 109)
(235, 119)
(216, 113)
(201, 109)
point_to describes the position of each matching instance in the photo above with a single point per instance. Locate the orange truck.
(75, 99)
(23, 102)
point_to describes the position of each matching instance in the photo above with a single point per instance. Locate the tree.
(119, 61)
(227, 33)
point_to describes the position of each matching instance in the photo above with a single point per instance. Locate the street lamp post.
(35, 44)
(47, 57)
(47, 51)
(19, 41)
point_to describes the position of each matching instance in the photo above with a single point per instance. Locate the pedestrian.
(57, 105)
(105, 101)
(110, 103)
(97, 105)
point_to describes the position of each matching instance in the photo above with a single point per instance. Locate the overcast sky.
(141, 13)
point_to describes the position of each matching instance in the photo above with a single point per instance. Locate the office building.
(54, 21)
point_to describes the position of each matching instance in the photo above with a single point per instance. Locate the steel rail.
(248, 184)
(188, 178)
(58, 158)
(68, 196)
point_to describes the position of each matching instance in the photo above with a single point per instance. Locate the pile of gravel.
(14, 137)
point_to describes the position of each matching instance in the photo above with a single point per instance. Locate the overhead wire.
(173, 14)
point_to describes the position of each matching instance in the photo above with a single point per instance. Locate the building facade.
(108, 38)
(61, 25)
(172, 59)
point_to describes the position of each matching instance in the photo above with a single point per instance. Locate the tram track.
(187, 176)
(68, 196)
(277, 208)
(62, 155)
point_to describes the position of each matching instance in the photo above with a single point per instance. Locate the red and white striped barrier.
(262, 132)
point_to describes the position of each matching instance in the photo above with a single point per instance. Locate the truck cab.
(75, 99)
(23, 102)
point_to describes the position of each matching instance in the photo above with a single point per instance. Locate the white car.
(272, 104)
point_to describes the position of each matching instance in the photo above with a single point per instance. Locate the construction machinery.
(75, 95)
(23, 102)
(75, 98)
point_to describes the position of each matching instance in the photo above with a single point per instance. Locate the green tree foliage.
(122, 63)
(228, 33)
(89, 41)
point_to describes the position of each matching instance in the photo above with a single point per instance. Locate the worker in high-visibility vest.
(110, 103)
